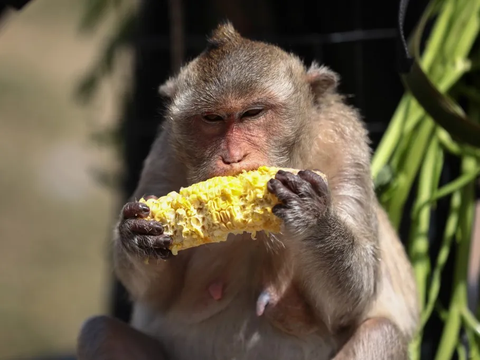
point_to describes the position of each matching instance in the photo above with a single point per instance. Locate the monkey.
(335, 283)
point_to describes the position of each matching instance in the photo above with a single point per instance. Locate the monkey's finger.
(147, 245)
(163, 253)
(287, 178)
(154, 242)
(318, 183)
(295, 183)
(134, 210)
(143, 227)
(155, 246)
(281, 211)
(280, 190)
(151, 246)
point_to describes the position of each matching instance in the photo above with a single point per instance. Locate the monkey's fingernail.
(150, 197)
(143, 208)
(262, 302)
(156, 229)
(135, 209)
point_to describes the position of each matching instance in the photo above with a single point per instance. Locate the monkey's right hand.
(142, 237)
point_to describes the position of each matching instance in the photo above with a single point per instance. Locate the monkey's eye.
(212, 117)
(252, 112)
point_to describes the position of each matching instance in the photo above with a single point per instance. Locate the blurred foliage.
(413, 150)
(54, 274)
(95, 12)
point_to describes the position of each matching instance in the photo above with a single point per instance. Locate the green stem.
(444, 252)
(418, 239)
(462, 353)
(458, 302)
(473, 344)
(470, 321)
(453, 147)
(391, 138)
(410, 165)
(448, 189)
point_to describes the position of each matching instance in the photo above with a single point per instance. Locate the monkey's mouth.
(233, 170)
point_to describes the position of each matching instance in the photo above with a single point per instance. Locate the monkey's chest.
(212, 287)
(287, 311)
(228, 309)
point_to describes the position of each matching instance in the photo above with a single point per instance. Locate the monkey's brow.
(240, 102)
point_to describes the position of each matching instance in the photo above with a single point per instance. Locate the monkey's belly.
(214, 316)
(235, 334)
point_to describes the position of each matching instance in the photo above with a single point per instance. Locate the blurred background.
(55, 212)
(79, 109)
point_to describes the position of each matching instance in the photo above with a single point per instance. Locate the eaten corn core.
(210, 210)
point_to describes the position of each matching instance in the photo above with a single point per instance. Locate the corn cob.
(208, 211)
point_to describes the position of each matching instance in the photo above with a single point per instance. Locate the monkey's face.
(241, 104)
(239, 133)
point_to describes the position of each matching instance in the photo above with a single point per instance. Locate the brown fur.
(342, 285)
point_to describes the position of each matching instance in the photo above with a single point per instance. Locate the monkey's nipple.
(216, 290)
(263, 300)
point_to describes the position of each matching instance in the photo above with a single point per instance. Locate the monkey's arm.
(138, 244)
(394, 315)
(375, 339)
(334, 234)
(134, 241)
(162, 172)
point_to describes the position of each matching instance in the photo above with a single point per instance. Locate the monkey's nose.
(233, 158)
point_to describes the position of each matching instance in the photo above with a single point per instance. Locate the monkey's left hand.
(305, 200)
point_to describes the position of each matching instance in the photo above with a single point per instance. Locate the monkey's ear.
(321, 79)
(169, 88)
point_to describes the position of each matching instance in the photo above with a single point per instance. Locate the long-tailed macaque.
(335, 284)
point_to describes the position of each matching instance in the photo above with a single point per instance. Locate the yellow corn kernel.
(210, 210)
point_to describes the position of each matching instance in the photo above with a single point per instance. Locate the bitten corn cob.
(210, 210)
